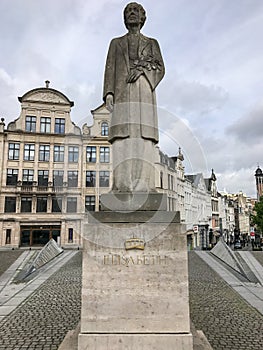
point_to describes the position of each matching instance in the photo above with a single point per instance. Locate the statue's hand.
(134, 75)
(109, 102)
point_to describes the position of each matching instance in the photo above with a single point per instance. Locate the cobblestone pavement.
(7, 258)
(44, 319)
(226, 319)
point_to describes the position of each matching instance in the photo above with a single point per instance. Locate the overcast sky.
(210, 100)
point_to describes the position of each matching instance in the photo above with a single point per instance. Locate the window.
(45, 124)
(161, 179)
(13, 151)
(26, 204)
(169, 184)
(104, 178)
(71, 204)
(44, 151)
(42, 179)
(172, 182)
(41, 204)
(70, 235)
(104, 129)
(28, 177)
(11, 177)
(90, 178)
(56, 204)
(72, 178)
(58, 176)
(29, 152)
(73, 154)
(90, 203)
(31, 123)
(91, 154)
(60, 126)
(10, 204)
(8, 236)
(104, 154)
(58, 153)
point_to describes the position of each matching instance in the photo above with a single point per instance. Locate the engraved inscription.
(127, 260)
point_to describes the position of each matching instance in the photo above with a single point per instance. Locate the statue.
(134, 68)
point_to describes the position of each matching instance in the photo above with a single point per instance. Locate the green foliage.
(257, 218)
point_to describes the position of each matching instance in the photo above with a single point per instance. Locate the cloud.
(213, 45)
(226, 152)
(235, 181)
(192, 97)
(9, 109)
(234, 162)
(5, 78)
(176, 132)
(84, 95)
(249, 128)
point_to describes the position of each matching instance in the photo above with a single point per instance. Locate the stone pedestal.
(137, 201)
(135, 283)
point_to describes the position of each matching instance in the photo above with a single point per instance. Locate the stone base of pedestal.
(135, 342)
(70, 342)
(135, 283)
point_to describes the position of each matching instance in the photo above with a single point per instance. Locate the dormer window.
(104, 129)
(31, 123)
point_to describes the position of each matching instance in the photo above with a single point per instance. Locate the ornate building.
(51, 171)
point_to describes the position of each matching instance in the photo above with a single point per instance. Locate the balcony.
(34, 188)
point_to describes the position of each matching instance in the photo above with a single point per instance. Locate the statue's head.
(134, 13)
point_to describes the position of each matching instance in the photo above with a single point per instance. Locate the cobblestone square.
(43, 320)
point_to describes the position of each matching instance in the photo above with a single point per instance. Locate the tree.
(257, 217)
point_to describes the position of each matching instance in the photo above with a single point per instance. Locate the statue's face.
(132, 14)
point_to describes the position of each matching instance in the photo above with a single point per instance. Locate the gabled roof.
(258, 172)
(45, 94)
(195, 179)
(191, 178)
(100, 109)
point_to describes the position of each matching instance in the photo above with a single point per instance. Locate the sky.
(210, 102)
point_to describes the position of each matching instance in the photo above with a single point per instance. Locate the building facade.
(52, 172)
(198, 211)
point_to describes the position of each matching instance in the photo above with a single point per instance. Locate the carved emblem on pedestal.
(134, 243)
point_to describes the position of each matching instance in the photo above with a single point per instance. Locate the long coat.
(134, 103)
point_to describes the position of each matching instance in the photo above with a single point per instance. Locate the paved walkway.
(7, 258)
(227, 320)
(13, 294)
(251, 292)
(43, 319)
